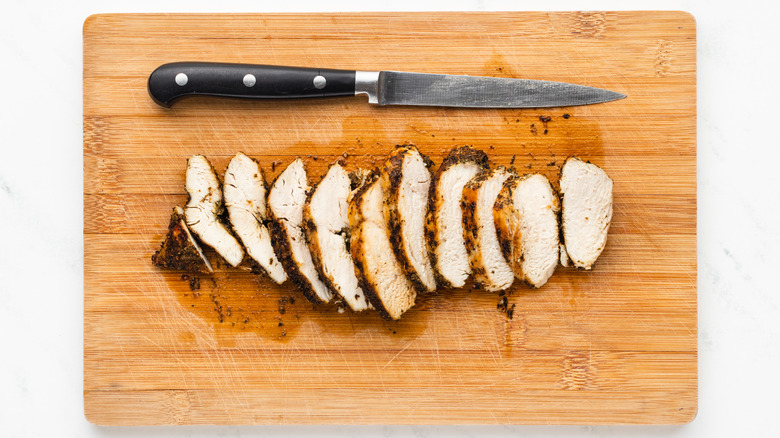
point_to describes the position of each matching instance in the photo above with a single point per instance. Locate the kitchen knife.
(172, 81)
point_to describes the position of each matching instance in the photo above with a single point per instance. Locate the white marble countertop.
(41, 245)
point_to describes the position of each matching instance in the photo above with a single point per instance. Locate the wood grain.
(615, 345)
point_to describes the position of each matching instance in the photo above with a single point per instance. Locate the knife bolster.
(367, 82)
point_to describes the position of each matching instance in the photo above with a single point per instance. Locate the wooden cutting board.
(615, 345)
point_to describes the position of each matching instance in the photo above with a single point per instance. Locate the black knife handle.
(172, 81)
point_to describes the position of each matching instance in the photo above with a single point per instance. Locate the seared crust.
(310, 233)
(356, 244)
(463, 154)
(470, 226)
(392, 177)
(506, 220)
(358, 177)
(281, 244)
(457, 155)
(178, 251)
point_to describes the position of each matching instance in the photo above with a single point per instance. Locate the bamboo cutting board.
(615, 345)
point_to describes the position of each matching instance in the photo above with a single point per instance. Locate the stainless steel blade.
(403, 88)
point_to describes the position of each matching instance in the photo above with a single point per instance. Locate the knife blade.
(169, 82)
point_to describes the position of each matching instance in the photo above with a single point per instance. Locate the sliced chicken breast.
(381, 276)
(285, 201)
(406, 182)
(445, 217)
(526, 214)
(326, 225)
(204, 208)
(244, 189)
(179, 250)
(586, 192)
(487, 262)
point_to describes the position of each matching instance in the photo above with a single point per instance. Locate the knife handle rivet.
(319, 82)
(181, 79)
(250, 80)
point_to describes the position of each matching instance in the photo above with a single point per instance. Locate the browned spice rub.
(179, 250)
(507, 230)
(280, 242)
(470, 225)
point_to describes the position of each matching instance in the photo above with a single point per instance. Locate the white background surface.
(41, 249)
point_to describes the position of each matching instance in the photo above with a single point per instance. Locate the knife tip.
(612, 96)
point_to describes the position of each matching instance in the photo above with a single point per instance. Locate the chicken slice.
(381, 276)
(244, 190)
(565, 262)
(406, 182)
(203, 209)
(586, 193)
(179, 250)
(326, 225)
(445, 221)
(487, 262)
(285, 202)
(526, 214)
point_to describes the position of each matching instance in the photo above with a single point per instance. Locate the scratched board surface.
(615, 345)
